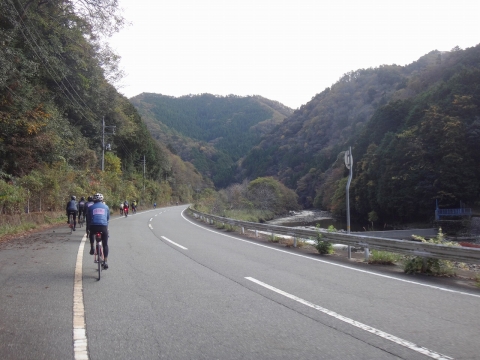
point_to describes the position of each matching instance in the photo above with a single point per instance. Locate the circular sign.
(348, 159)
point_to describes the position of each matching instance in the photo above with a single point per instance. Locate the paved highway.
(177, 289)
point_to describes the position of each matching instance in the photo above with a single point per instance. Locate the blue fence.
(452, 212)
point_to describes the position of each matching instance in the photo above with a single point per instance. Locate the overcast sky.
(284, 50)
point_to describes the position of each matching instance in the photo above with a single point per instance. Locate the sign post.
(349, 165)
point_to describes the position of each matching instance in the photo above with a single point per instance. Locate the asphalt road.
(179, 289)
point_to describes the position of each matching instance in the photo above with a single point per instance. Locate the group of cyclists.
(125, 206)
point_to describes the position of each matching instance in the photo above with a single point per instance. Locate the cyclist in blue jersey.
(98, 216)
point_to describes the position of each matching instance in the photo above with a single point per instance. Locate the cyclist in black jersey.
(72, 209)
(82, 208)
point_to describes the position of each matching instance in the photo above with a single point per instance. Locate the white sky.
(284, 50)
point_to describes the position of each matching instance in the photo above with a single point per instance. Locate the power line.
(70, 97)
(60, 55)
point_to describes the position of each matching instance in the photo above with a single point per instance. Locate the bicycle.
(134, 210)
(70, 223)
(98, 257)
(80, 220)
(125, 211)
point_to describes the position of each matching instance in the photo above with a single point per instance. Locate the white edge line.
(334, 264)
(80, 348)
(174, 243)
(372, 330)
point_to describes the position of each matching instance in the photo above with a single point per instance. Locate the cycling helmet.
(83, 198)
(74, 197)
(90, 198)
(97, 197)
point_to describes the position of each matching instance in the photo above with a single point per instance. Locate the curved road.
(179, 289)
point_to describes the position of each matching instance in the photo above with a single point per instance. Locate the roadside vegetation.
(384, 258)
(438, 267)
(21, 223)
(323, 247)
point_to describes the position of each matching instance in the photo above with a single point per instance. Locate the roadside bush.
(323, 247)
(274, 239)
(439, 267)
(384, 257)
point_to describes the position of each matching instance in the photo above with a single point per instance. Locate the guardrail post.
(367, 254)
(294, 241)
(243, 230)
(256, 233)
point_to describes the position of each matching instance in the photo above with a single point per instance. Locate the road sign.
(348, 159)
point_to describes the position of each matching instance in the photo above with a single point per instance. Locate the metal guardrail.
(416, 248)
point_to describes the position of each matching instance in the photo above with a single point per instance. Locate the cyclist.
(125, 207)
(72, 208)
(154, 205)
(82, 210)
(134, 206)
(98, 216)
(121, 209)
(87, 205)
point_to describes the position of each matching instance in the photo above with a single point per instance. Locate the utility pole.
(103, 139)
(103, 143)
(349, 165)
(144, 164)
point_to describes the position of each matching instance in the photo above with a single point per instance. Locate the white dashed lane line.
(174, 243)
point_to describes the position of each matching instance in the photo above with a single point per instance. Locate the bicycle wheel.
(70, 223)
(80, 220)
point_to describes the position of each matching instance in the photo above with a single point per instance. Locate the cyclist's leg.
(105, 240)
(91, 235)
(74, 215)
(105, 244)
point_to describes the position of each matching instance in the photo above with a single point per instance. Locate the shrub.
(323, 247)
(274, 239)
(230, 228)
(417, 264)
(383, 257)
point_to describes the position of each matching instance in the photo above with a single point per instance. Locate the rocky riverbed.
(304, 216)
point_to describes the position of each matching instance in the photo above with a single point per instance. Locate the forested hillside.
(414, 132)
(212, 132)
(55, 90)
